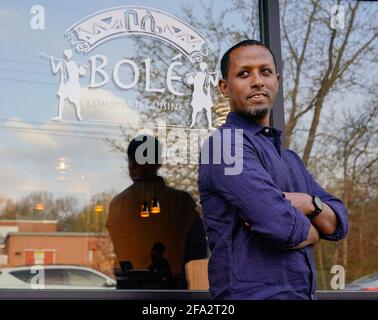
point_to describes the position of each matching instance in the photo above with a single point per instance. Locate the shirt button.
(266, 130)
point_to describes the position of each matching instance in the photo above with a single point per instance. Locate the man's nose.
(256, 80)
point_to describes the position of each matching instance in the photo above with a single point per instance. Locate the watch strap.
(317, 210)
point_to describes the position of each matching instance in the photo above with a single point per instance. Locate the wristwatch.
(318, 204)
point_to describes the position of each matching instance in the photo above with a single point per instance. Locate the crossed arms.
(277, 216)
(325, 222)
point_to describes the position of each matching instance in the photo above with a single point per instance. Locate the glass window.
(55, 277)
(330, 72)
(24, 275)
(84, 278)
(78, 81)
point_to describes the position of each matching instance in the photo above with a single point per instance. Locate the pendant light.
(155, 206)
(144, 212)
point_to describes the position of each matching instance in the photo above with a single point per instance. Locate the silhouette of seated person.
(160, 266)
(132, 234)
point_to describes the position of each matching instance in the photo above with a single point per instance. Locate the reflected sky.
(31, 143)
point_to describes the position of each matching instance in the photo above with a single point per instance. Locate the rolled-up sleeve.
(335, 203)
(337, 207)
(252, 192)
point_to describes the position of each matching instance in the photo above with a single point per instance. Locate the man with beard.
(261, 222)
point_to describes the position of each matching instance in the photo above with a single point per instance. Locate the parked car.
(54, 277)
(366, 283)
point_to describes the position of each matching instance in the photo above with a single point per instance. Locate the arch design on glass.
(132, 20)
(112, 23)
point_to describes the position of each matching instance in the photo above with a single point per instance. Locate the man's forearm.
(325, 222)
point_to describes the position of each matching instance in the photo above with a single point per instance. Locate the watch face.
(318, 203)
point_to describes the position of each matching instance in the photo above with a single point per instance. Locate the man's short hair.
(250, 42)
(151, 143)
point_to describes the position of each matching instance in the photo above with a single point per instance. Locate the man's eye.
(243, 74)
(267, 71)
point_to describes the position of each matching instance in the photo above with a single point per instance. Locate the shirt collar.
(245, 123)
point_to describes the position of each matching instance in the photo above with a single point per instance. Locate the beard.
(258, 113)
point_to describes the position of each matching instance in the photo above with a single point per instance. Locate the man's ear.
(278, 81)
(223, 87)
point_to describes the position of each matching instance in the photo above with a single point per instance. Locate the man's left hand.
(326, 222)
(301, 201)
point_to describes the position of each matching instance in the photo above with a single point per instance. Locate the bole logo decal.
(114, 23)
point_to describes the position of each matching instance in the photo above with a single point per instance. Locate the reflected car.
(366, 283)
(54, 277)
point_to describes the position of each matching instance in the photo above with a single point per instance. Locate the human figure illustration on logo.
(69, 87)
(201, 97)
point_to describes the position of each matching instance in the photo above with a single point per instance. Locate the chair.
(126, 265)
(197, 274)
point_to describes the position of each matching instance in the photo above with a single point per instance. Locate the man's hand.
(326, 222)
(301, 201)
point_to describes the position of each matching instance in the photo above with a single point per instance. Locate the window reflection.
(65, 128)
(159, 241)
(331, 120)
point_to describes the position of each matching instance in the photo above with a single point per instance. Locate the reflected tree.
(93, 217)
(211, 22)
(322, 65)
(354, 164)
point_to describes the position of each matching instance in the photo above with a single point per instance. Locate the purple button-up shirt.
(256, 262)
